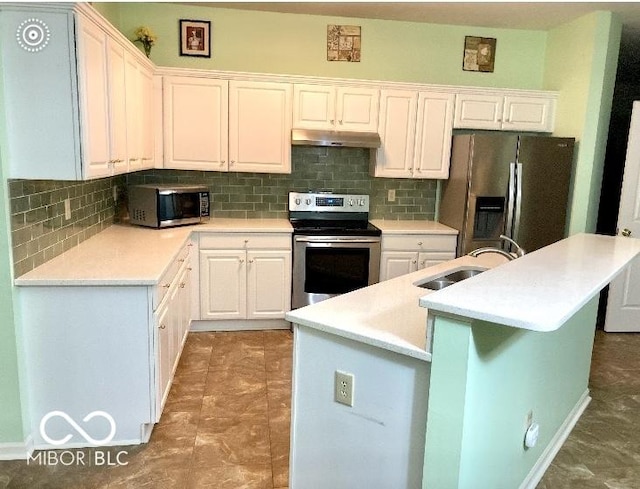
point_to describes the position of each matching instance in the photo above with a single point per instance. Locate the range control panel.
(327, 202)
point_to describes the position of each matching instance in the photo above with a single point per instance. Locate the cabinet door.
(313, 106)
(163, 366)
(94, 99)
(528, 114)
(195, 123)
(260, 127)
(134, 110)
(269, 284)
(223, 284)
(477, 111)
(117, 107)
(357, 109)
(396, 263)
(397, 128)
(148, 119)
(433, 135)
(426, 260)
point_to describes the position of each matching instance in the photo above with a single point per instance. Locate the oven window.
(179, 206)
(336, 270)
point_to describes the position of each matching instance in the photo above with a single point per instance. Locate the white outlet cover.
(531, 436)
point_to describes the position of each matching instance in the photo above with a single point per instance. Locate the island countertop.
(543, 289)
(387, 314)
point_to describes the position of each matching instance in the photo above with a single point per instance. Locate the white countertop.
(411, 227)
(386, 315)
(132, 255)
(227, 225)
(543, 289)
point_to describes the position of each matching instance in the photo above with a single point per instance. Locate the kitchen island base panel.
(486, 380)
(379, 442)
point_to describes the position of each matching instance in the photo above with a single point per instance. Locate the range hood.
(347, 139)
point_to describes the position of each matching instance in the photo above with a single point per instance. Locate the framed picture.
(479, 54)
(344, 42)
(195, 38)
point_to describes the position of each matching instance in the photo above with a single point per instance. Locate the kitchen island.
(511, 349)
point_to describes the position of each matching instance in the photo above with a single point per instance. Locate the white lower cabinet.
(112, 348)
(406, 253)
(171, 322)
(245, 276)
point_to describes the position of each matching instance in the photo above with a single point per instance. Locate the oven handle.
(304, 239)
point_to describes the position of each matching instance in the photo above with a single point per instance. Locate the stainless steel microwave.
(161, 206)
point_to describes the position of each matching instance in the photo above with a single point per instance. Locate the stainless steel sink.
(443, 281)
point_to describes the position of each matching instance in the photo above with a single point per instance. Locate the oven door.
(326, 266)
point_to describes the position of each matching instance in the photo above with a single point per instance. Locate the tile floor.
(226, 424)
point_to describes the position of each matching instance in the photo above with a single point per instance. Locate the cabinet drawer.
(169, 275)
(239, 241)
(420, 242)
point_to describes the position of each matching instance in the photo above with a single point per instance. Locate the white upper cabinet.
(415, 128)
(94, 98)
(68, 104)
(139, 108)
(195, 123)
(260, 127)
(504, 112)
(335, 108)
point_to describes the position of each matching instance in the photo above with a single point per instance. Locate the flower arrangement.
(145, 36)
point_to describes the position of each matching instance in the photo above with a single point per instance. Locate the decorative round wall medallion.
(33, 35)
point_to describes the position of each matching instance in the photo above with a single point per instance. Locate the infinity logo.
(75, 425)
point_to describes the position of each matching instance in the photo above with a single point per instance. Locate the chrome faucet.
(490, 249)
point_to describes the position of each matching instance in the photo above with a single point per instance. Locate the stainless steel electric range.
(335, 248)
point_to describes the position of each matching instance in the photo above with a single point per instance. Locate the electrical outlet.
(67, 209)
(391, 195)
(344, 388)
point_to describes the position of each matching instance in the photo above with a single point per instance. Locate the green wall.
(485, 379)
(265, 42)
(10, 405)
(581, 64)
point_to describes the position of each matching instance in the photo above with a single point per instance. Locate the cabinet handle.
(190, 244)
(146, 159)
(332, 122)
(251, 261)
(241, 261)
(163, 326)
(339, 122)
(134, 159)
(181, 260)
(189, 268)
(233, 162)
(246, 241)
(166, 286)
(182, 284)
(419, 243)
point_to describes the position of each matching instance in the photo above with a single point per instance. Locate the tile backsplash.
(344, 170)
(40, 231)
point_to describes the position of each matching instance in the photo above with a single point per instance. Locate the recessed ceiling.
(514, 15)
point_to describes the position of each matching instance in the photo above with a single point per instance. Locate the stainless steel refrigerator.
(506, 183)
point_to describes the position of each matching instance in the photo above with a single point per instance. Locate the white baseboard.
(17, 451)
(546, 457)
(239, 325)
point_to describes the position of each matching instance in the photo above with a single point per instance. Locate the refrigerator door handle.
(518, 201)
(511, 198)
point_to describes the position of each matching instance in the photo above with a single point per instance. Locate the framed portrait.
(479, 54)
(195, 38)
